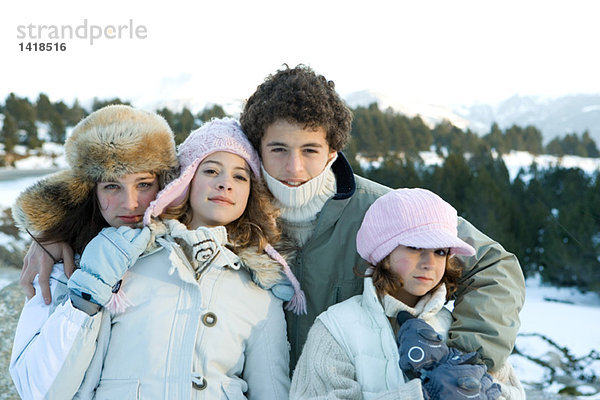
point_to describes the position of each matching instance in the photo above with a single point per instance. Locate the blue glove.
(105, 260)
(420, 347)
(489, 388)
(458, 377)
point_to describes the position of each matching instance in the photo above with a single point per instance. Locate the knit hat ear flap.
(173, 194)
(297, 303)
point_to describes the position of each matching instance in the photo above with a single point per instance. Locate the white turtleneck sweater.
(300, 206)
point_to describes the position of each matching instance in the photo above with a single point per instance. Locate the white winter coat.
(219, 337)
(376, 359)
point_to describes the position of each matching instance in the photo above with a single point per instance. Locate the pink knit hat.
(410, 217)
(216, 135)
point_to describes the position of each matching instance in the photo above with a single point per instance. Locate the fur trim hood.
(265, 271)
(107, 144)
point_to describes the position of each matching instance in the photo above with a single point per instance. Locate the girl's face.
(124, 201)
(419, 269)
(220, 189)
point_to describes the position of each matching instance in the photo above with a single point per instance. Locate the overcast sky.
(441, 52)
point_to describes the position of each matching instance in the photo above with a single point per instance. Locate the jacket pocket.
(110, 389)
(233, 390)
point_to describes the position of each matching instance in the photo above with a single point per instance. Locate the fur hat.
(111, 142)
(409, 217)
(216, 135)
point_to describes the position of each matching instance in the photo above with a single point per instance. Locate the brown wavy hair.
(385, 281)
(79, 226)
(256, 227)
(297, 95)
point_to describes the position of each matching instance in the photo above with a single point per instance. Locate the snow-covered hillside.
(552, 116)
(514, 161)
(431, 114)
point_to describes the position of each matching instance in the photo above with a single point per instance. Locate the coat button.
(209, 319)
(199, 382)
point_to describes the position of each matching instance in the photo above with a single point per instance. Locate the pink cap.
(216, 135)
(410, 217)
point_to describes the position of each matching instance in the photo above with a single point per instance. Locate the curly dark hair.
(297, 95)
(385, 281)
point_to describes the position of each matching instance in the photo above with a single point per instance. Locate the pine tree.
(168, 116)
(496, 140)
(71, 116)
(216, 111)
(554, 147)
(364, 132)
(395, 172)
(590, 146)
(98, 104)
(24, 114)
(401, 137)
(184, 124)
(57, 128)
(43, 108)
(451, 180)
(532, 140)
(10, 136)
(421, 134)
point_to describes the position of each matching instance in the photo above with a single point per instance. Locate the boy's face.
(294, 155)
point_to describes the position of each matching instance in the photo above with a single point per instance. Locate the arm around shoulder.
(489, 299)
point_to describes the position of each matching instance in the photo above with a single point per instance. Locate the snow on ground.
(514, 161)
(49, 156)
(10, 189)
(8, 275)
(570, 319)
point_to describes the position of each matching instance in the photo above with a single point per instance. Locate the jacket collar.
(344, 177)
(265, 271)
(427, 307)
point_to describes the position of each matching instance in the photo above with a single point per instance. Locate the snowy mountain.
(554, 117)
(431, 114)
